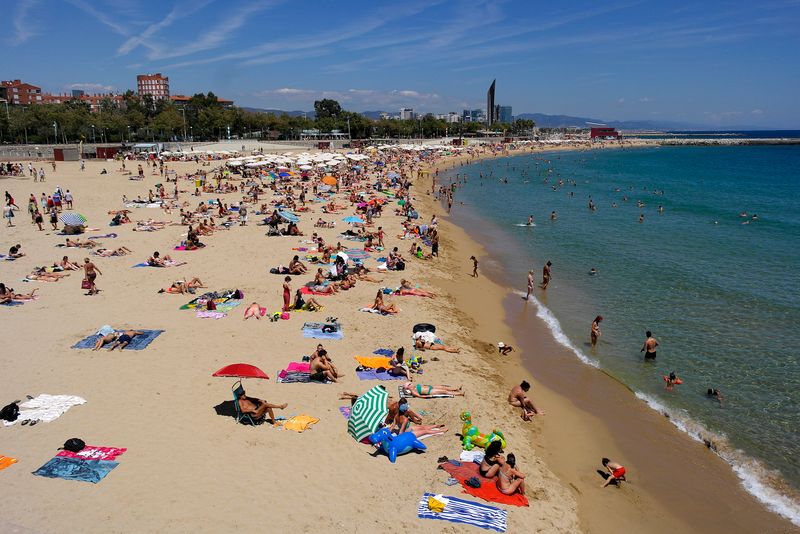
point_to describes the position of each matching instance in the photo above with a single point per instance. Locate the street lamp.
(183, 110)
(349, 136)
(93, 133)
(55, 132)
(129, 133)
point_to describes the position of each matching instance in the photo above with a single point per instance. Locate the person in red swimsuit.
(287, 293)
(616, 472)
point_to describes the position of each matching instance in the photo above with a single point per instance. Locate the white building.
(407, 114)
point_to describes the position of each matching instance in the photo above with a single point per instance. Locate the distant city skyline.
(710, 63)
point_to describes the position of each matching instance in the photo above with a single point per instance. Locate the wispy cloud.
(101, 17)
(24, 28)
(145, 38)
(646, 99)
(91, 87)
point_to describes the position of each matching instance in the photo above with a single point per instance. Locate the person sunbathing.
(157, 261)
(181, 287)
(509, 479)
(124, 339)
(105, 252)
(80, 244)
(104, 340)
(361, 274)
(42, 275)
(429, 341)
(402, 423)
(254, 310)
(321, 285)
(257, 408)
(301, 303)
(68, 265)
(382, 307)
(8, 294)
(424, 391)
(296, 266)
(407, 289)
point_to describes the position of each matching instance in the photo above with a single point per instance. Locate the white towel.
(46, 408)
(474, 455)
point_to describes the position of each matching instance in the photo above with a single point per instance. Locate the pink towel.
(299, 367)
(90, 452)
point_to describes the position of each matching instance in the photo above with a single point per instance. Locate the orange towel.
(6, 461)
(373, 362)
(298, 423)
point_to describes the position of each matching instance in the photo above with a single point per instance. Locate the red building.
(604, 132)
(155, 85)
(19, 93)
(182, 100)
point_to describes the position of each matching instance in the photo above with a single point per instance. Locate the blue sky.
(716, 63)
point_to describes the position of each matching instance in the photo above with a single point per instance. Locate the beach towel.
(137, 343)
(373, 362)
(404, 395)
(91, 452)
(345, 411)
(45, 408)
(298, 367)
(299, 423)
(384, 352)
(6, 461)
(488, 490)
(372, 310)
(305, 290)
(74, 469)
(314, 331)
(372, 374)
(222, 310)
(466, 512)
(107, 236)
(285, 377)
(13, 303)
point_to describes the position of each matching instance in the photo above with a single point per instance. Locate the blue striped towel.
(467, 512)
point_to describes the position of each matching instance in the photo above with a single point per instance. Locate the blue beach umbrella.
(353, 219)
(289, 217)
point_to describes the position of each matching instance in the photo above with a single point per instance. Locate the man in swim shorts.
(546, 275)
(125, 339)
(616, 472)
(649, 347)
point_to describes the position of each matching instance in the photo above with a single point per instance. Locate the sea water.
(714, 274)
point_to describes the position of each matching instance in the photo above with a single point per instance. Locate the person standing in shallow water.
(546, 275)
(596, 330)
(530, 285)
(649, 347)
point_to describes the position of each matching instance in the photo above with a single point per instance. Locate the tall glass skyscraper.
(490, 111)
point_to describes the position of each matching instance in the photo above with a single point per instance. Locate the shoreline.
(609, 393)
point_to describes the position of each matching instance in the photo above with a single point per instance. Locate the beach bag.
(238, 294)
(10, 412)
(211, 305)
(400, 266)
(285, 316)
(74, 445)
(86, 284)
(274, 270)
(329, 328)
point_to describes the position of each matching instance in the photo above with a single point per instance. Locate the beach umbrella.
(353, 219)
(305, 167)
(393, 175)
(329, 180)
(284, 174)
(367, 413)
(241, 370)
(357, 254)
(72, 219)
(289, 217)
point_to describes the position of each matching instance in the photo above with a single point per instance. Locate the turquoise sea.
(718, 289)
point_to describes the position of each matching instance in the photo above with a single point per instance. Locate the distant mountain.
(374, 115)
(566, 121)
(279, 112)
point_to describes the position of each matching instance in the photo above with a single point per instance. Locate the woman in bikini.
(424, 391)
(382, 307)
(402, 424)
(300, 303)
(492, 460)
(181, 287)
(509, 479)
(407, 289)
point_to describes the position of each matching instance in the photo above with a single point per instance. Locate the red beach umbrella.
(241, 370)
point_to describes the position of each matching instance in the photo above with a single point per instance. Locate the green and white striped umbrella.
(367, 413)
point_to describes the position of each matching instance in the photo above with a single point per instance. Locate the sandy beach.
(188, 468)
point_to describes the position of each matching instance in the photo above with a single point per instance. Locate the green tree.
(327, 109)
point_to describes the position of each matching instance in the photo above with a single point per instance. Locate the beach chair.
(243, 418)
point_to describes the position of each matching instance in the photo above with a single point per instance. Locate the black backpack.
(74, 445)
(10, 412)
